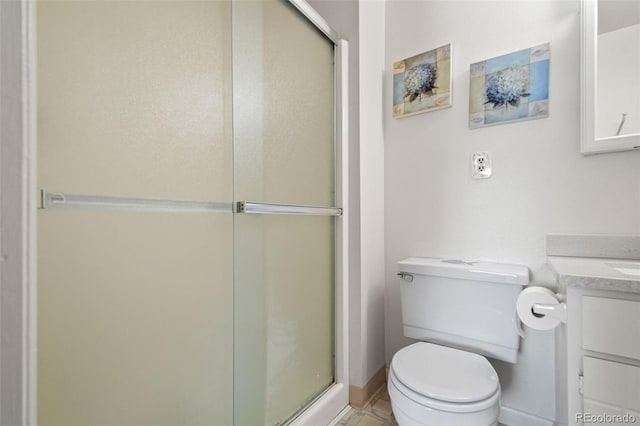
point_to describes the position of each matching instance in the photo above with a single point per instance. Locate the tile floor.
(376, 413)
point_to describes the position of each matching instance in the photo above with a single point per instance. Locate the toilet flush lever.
(406, 277)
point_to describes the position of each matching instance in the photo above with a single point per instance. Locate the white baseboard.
(512, 417)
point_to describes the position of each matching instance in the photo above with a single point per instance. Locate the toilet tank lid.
(476, 271)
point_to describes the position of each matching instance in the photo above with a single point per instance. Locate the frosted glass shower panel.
(284, 315)
(283, 96)
(134, 98)
(284, 272)
(135, 318)
(135, 307)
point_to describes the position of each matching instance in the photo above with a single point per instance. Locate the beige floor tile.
(382, 408)
(368, 420)
(350, 418)
(376, 413)
(384, 394)
(355, 417)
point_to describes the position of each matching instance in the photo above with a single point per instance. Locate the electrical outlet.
(481, 165)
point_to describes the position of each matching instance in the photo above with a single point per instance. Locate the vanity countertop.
(595, 273)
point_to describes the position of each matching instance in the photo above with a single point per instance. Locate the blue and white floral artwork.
(422, 83)
(510, 87)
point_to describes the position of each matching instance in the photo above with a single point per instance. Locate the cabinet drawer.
(611, 326)
(614, 384)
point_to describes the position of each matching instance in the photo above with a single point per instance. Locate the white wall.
(541, 183)
(372, 64)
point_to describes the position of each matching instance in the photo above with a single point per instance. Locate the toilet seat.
(444, 378)
(439, 405)
(411, 409)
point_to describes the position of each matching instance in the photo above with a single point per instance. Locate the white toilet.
(464, 310)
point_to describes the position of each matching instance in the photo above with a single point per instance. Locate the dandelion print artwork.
(510, 87)
(422, 83)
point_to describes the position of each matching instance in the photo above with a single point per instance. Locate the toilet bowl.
(431, 384)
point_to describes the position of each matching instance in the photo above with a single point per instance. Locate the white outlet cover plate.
(481, 165)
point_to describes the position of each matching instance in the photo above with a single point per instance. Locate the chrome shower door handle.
(251, 207)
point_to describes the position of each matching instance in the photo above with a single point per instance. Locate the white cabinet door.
(611, 388)
(611, 326)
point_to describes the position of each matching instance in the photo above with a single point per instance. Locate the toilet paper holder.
(540, 309)
(557, 310)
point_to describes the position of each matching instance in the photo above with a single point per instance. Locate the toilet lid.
(444, 373)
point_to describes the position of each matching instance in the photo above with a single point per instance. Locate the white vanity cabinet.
(598, 349)
(603, 356)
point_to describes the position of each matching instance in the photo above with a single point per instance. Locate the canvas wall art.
(422, 83)
(510, 87)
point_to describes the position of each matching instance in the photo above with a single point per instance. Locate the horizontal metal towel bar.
(268, 208)
(61, 200)
(49, 200)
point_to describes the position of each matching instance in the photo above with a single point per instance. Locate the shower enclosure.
(191, 229)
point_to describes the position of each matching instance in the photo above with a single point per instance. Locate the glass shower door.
(156, 304)
(284, 275)
(134, 250)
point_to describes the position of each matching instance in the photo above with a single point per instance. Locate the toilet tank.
(466, 305)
